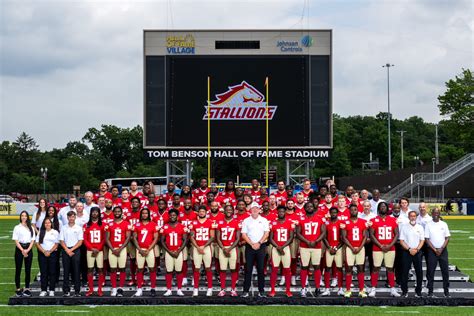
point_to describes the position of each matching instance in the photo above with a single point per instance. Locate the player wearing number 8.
(117, 238)
(94, 240)
(311, 231)
(384, 235)
(145, 237)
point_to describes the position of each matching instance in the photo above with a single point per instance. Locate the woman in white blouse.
(24, 237)
(39, 215)
(47, 243)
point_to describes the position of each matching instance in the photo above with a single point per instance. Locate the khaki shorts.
(285, 259)
(228, 261)
(92, 260)
(387, 257)
(131, 250)
(118, 262)
(174, 264)
(185, 253)
(294, 248)
(352, 259)
(215, 250)
(337, 257)
(205, 258)
(157, 250)
(310, 254)
(150, 259)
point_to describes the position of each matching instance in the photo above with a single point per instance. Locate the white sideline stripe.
(71, 311)
(403, 312)
(7, 283)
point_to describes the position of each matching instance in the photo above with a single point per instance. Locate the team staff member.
(145, 237)
(24, 237)
(94, 240)
(39, 215)
(71, 238)
(437, 237)
(255, 232)
(47, 243)
(281, 236)
(412, 238)
(227, 237)
(117, 236)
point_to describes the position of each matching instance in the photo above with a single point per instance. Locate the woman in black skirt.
(24, 237)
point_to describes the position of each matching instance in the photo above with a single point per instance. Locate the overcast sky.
(70, 65)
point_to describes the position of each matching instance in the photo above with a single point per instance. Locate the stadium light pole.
(401, 145)
(44, 173)
(388, 65)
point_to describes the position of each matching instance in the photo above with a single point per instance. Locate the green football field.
(461, 254)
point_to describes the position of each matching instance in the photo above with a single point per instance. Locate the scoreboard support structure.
(178, 172)
(297, 170)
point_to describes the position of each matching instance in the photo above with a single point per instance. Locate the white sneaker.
(394, 293)
(168, 293)
(51, 293)
(321, 283)
(254, 270)
(326, 292)
(195, 292)
(340, 292)
(114, 292)
(282, 281)
(303, 292)
(334, 283)
(209, 292)
(179, 293)
(293, 280)
(372, 292)
(185, 281)
(43, 293)
(138, 293)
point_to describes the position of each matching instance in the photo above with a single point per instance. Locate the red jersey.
(333, 232)
(137, 194)
(215, 218)
(281, 197)
(228, 231)
(241, 216)
(323, 212)
(145, 233)
(307, 194)
(281, 231)
(132, 217)
(168, 199)
(226, 197)
(324, 207)
(116, 201)
(384, 230)
(107, 195)
(355, 231)
(200, 196)
(253, 194)
(94, 236)
(161, 219)
(344, 215)
(125, 205)
(299, 209)
(294, 217)
(360, 207)
(310, 229)
(202, 231)
(187, 218)
(118, 232)
(107, 218)
(271, 216)
(173, 235)
(153, 208)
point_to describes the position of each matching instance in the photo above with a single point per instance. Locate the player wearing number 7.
(94, 240)
(145, 237)
(384, 235)
(117, 238)
(311, 231)
(354, 235)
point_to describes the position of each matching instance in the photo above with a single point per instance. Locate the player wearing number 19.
(94, 240)
(310, 231)
(281, 236)
(145, 237)
(117, 238)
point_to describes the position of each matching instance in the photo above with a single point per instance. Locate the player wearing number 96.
(94, 240)
(117, 238)
(310, 231)
(174, 237)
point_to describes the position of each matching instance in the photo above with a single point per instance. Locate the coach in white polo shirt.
(437, 238)
(71, 237)
(412, 238)
(255, 232)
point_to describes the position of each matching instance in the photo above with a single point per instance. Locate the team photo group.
(314, 240)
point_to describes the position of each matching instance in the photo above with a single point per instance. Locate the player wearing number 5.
(311, 231)
(117, 238)
(145, 237)
(354, 235)
(202, 236)
(94, 240)
(281, 236)
(174, 237)
(384, 235)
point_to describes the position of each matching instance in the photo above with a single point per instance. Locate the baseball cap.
(254, 204)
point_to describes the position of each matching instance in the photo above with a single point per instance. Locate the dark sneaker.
(245, 294)
(77, 294)
(317, 292)
(418, 295)
(405, 294)
(19, 293)
(262, 294)
(152, 293)
(447, 295)
(431, 295)
(120, 292)
(26, 293)
(66, 294)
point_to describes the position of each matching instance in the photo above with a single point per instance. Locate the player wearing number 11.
(94, 240)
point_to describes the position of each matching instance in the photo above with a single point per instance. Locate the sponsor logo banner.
(177, 45)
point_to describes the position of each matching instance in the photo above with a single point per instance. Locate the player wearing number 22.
(145, 237)
(281, 236)
(202, 236)
(310, 231)
(174, 237)
(94, 240)
(117, 238)
(354, 235)
(384, 235)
